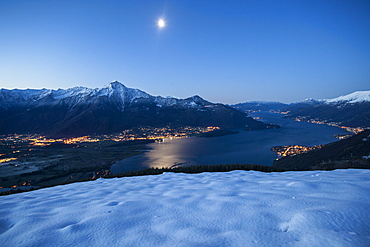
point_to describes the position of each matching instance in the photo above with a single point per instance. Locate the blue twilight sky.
(225, 51)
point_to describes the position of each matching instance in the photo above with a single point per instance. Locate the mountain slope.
(84, 111)
(349, 115)
(352, 110)
(345, 153)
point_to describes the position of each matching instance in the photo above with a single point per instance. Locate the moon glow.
(161, 23)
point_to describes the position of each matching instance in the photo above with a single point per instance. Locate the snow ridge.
(355, 97)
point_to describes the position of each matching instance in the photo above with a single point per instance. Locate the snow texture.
(356, 97)
(239, 208)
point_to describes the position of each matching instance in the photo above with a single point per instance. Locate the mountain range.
(84, 111)
(352, 110)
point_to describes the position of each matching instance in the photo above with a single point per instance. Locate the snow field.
(239, 208)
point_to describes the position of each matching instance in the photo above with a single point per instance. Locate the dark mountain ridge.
(260, 106)
(84, 111)
(355, 115)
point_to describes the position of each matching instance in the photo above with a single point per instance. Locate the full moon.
(161, 23)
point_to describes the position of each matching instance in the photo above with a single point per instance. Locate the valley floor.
(238, 208)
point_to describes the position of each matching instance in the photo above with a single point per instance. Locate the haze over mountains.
(84, 111)
(352, 110)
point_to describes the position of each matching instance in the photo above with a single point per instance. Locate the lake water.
(246, 147)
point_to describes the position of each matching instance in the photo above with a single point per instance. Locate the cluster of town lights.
(144, 133)
(316, 121)
(290, 150)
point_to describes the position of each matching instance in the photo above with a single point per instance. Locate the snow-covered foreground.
(239, 208)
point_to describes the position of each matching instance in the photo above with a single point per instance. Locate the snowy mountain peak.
(111, 88)
(115, 84)
(355, 97)
(196, 99)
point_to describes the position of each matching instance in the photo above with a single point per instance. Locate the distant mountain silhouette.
(260, 106)
(352, 110)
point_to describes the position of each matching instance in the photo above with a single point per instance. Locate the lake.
(246, 147)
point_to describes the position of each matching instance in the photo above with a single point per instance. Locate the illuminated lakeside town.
(34, 160)
(291, 150)
(335, 124)
(353, 130)
(141, 133)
